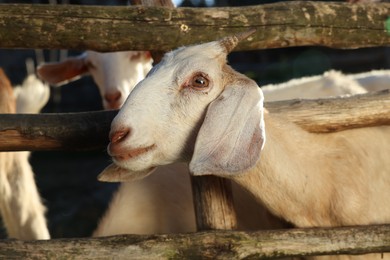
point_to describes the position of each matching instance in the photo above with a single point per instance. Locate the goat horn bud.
(230, 42)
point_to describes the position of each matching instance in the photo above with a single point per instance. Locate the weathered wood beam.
(336, 114)
(109, 28)
(89, 130)
(208, 245)
(67, 131)
(166, 3)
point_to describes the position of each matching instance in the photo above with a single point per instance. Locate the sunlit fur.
(336, 179)
(330, 84)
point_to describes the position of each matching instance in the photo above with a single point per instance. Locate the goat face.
(191, 104)
(115, 73)
(111, 71)
(155, 124)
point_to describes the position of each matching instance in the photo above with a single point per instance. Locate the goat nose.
(112, 97)
(118, 136)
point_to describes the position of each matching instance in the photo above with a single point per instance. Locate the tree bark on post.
(283, 24)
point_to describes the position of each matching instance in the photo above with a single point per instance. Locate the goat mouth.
(133, 153)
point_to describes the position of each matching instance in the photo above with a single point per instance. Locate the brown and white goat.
(133, 208)
(21, 208)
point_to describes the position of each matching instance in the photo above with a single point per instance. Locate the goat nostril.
(119, 136)
(112, 97)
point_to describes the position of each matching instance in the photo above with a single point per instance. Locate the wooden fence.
(284, 24)
(208, 245)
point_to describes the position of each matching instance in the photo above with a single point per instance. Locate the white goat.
(115, 73)
(193, 107)
(20, 204)
(331, 83)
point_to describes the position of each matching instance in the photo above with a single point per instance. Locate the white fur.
(140, 207)
(311, 180)
(20, 204)
(176, 105)
(331, 83)
(115, 73)
(21, 208)
(31, 96)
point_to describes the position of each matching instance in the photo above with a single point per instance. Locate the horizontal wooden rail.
(109, 28)
(336, 114)
(68, 131)
(89, 130)
(208, 245)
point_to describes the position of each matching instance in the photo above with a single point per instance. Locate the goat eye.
(199, 81)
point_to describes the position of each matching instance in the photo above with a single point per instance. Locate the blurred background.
(67, 180)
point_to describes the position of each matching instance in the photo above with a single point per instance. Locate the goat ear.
(232, 135)
(114, 173)
(140, 55)
(59, 73)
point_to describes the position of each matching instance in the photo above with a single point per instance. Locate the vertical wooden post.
(213, 197)
(213, 200)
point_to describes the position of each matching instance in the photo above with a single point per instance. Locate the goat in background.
(20, 205)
